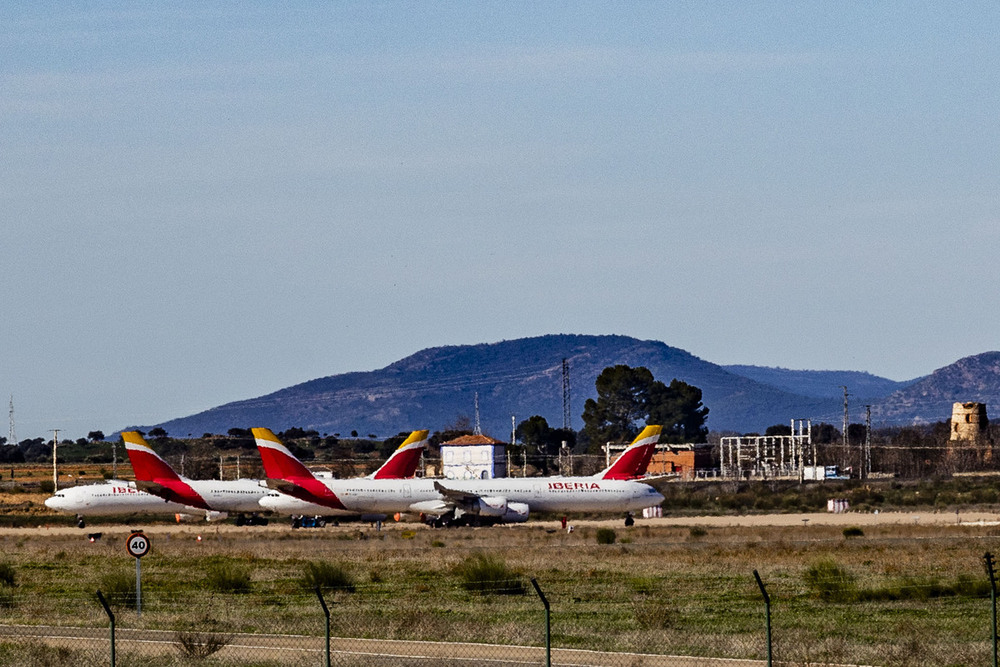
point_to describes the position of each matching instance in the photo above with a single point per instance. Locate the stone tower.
(969, 422)
(969, 427)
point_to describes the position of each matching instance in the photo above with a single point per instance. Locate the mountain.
(436, 387)
(929, 399)
(822, 384)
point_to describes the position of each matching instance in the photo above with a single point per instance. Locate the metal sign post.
(138, 546)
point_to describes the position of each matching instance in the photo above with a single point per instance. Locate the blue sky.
(205, 202)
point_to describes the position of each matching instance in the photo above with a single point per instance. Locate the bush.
(829, 582)
(228, 577)
(853, 531)
(46, 486)
(325, 575)
(485, 574)
(606, 536)
(119, 588)
(7, 576)
(200, 645)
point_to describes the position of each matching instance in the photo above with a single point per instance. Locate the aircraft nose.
(53, 503)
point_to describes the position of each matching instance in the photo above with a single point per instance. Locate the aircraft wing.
(161, 491)
(474, 503)
(290, 488)
(462, 499)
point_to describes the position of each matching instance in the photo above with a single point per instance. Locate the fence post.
(326, 612)
(548, 624)
(111, 615)
(988, 559)
(767, 612)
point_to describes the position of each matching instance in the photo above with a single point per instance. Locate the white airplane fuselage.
(233, 495)
(113, 497)
(540, 494)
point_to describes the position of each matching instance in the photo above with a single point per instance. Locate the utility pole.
(513, 441)
(55, 470)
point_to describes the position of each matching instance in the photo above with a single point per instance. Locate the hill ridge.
(434, 388)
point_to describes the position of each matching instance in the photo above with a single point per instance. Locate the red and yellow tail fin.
(288, 474)
(635, 459)
(403, 462)
(147, 464)
(155, 475)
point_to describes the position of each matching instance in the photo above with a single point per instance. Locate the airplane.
(502, 499)
(154, 475)
(118, 497)
(286, 499)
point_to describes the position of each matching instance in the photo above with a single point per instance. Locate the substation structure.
(769, 456)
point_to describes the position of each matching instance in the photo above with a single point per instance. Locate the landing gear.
(252, 520)
(80, 523)
(629, 520)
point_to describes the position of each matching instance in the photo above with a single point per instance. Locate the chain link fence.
(826, 616)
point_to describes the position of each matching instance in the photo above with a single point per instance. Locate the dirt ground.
(279, 526)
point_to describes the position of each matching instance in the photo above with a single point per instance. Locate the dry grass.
(661, 592)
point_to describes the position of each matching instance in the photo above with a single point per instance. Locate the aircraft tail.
(403, 462)
(147, 465)
(288, 475)
(155, 475)
(634, 461)
(278, 460)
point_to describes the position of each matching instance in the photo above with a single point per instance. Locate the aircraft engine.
(516, 513)
(490, 506)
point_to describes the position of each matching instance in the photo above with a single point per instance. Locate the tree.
(825, 434)
(157, 432)
(678, 408)
(628, 398)
(622, 402)
(96, 436)
(535, 434)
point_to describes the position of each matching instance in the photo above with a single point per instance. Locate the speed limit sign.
(137, 545)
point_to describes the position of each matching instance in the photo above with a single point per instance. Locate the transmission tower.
(846, 424)
(866, 467)
(12, 437)
(565, 387)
